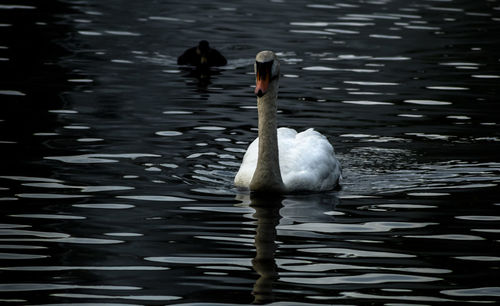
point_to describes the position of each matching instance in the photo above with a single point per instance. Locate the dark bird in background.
(202, 56)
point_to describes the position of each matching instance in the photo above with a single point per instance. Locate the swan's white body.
(307, 162)
(282, 160)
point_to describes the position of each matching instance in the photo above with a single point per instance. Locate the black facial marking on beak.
(263, 70)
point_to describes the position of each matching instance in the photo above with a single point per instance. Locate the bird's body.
(282, 160)
(306, 159)
(202, 56)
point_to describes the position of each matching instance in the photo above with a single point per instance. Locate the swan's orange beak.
(263, 78)
(262, 85)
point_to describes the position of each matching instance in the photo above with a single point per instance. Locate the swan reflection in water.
(267, 218)
(271, 211)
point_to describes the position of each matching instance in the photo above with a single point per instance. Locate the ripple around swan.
(247, 262)
(368, 227)
(156, 198)
(368, 278)
(352, 253)
(371, 297)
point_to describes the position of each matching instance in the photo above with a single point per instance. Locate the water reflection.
(200, 76)
(267, 215)
(270, 212)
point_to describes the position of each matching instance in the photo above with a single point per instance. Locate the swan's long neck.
(267, 175)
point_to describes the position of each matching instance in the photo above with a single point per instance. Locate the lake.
(116, 179)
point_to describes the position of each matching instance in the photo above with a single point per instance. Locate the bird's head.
(267, 70)
(202, 51)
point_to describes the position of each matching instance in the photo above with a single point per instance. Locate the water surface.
(117, 164)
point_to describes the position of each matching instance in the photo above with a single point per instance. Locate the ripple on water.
(17, 232)
(118, 297)
(105, 206)
(406, 297)
(98, 158)
(479, 218)
(18, 256)
(85, 268)
(368, 278)
(89, 139)
(31, 179)
(157, 198)
(171, 19)
(168, 133)
(11, 93)
(210, 128)
(188, 260)
(368, 83)
(49, 216)
(76, 127)
(89, 33)
(430, 136)
(222, 209)
(457, 117)
(428, 194)
(122, 33)
(460, 237)
(454, 88)
(478, 258)
(354, 253)
(15, 287)
(63, 111)
(368, 103)
(385, 36)
(404, 206)
(50, 196)
(411, 115)
(367, 227)
(82, 188)
(485, 76)
(427, 102)
(479, 292)
(323, 68)
(70, 240)
(79, 81)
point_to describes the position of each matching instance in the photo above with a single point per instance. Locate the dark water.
(117, 164)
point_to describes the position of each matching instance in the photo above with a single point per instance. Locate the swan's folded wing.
(248, 166)
(307, 161)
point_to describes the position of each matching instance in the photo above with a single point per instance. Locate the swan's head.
(267, 70)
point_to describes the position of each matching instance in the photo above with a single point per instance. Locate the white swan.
(282, 160)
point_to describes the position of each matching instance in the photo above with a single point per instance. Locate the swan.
(282, 160)
(202, 56)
